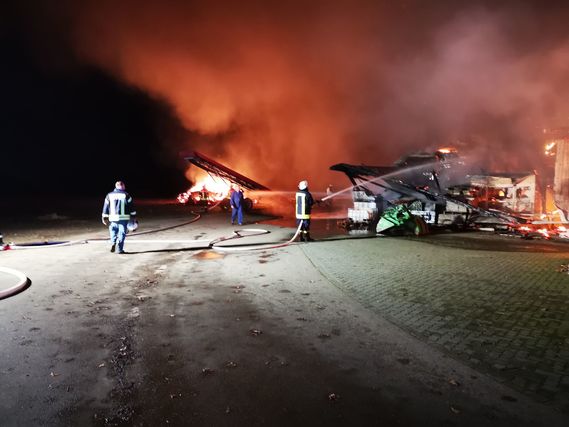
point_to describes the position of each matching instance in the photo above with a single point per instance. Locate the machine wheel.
(247, 205)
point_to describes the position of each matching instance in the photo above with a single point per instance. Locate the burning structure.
(215, 188)
(516, 193)
(437, 190)
(557, 146)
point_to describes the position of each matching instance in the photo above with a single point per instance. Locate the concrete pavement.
(173, 334)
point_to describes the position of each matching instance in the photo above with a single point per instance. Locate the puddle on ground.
(209, 255)
(320, 228)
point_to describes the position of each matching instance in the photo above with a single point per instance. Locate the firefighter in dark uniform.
(304, 202)
(118, 209)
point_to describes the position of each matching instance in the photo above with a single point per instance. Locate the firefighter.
(204, 196)
(236, 201)
(304, 202)
(118, 209)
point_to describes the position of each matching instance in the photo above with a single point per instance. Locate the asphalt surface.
(380, 331)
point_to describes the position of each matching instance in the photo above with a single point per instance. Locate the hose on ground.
(42, 245)
(23, 281)
(257, 232)
(156, 230)
(211, 243)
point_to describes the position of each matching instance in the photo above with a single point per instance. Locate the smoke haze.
(282, 92)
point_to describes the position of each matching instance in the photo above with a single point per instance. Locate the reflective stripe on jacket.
(118, 206)
(304, 204)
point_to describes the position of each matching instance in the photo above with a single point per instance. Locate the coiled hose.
(22, 283)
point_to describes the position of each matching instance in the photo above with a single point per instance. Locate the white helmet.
(119, 185)
(132, 225)
(303, 185)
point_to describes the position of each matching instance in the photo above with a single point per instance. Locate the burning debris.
(215, 187)
(541, 231)
(404, 198)
(437, 190)
(206, 192)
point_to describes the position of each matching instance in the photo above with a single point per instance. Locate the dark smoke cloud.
(281, 92)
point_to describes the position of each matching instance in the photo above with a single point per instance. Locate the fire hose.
(23, 281)
(256, 231)
(41, 245)
(212, 244)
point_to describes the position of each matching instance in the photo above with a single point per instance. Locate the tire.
(247, 205)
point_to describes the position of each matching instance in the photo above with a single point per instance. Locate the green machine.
(399, 220)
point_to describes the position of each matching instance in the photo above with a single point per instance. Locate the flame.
(549, 149)
(216, 189)
(446, 150)
(216, 186)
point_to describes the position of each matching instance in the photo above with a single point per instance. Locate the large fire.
(206, 189)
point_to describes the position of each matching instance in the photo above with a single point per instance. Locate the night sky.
(78, 130)
(96, 91)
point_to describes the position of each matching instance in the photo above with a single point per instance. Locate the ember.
(446, 150)
(549, 149)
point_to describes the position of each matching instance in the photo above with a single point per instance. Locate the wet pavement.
(174, 334)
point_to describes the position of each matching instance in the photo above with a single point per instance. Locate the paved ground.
(502, 312)
(174, 334)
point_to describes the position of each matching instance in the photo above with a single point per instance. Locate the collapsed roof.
(217, 169)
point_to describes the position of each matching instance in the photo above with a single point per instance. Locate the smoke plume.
(282, 91)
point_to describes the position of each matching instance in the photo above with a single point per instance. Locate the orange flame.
(447, 150)
(549, 149)
(215, 189)
(218, 188)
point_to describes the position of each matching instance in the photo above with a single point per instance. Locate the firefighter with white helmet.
(118, 209)
(304, 202)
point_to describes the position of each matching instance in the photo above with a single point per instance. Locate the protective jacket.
(304, 202)
(118, 206)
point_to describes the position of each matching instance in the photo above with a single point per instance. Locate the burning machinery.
(425, 189)
(215, 188)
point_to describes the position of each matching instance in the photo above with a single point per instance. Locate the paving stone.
(493, 309)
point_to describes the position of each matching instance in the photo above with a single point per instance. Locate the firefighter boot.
(308, 238)
(302, 236)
